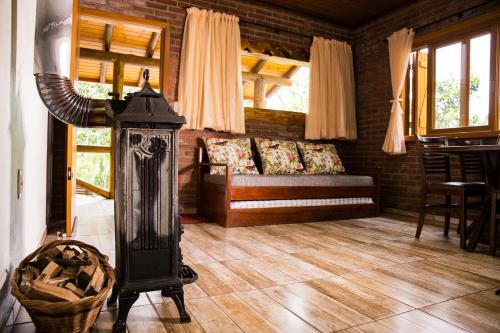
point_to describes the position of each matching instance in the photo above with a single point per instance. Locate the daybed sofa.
(257, 199)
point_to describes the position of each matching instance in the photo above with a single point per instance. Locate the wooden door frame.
(78, 12)
(153, 25)
(70, 130)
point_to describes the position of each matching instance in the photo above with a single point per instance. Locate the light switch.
(20, 183)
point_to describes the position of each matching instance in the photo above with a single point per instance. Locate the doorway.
(111, 53)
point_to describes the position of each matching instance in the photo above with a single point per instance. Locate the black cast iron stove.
(147, 224)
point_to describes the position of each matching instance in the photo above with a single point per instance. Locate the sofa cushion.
(320, 159)
(279, 157)
(233, 152)
(292, 180)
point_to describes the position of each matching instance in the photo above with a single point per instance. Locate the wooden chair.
(471, 170)
(494, 217)
(436, 180)
(471, 164)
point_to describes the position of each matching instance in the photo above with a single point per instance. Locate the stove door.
(151, 201)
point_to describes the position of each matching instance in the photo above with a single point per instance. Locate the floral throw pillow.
(233, 152)
(279, 157)
(320, 159)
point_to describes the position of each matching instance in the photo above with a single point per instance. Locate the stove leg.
(126, 302)
(114, 295)
(178, 297)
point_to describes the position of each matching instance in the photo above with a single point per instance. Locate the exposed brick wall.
(174, 12)
(400, 181)
(400, 176)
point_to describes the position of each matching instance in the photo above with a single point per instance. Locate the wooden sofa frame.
(214, 200)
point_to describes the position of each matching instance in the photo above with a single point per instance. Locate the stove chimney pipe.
(53, 36)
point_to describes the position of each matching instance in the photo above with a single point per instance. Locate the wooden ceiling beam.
(104, 68)
(268, 79)
(288, 75)
(259, 66)
(259, 93)
(141, 80)
(126, 83)
(276, 52)
(108, 34)
(277, 60)
(153, 42)
(131, 59)
(126, 21)
(106, 45)
(256, 69)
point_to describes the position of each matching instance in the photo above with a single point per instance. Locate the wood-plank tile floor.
(363, 275)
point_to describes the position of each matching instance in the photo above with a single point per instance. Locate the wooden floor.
(364, 275)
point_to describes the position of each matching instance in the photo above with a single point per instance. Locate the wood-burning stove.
(147, 225)
(148, 230)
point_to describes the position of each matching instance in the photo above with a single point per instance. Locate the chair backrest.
(498, 139)
(433, 163)
(471, 164)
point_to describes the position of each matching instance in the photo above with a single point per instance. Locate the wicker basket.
(64, 317)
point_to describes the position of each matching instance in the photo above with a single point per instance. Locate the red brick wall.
(174, 12)
(400, 176)
(400, 184)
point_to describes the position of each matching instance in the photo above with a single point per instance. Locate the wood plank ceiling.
(349, 13)
(139, 47)
(125, 39)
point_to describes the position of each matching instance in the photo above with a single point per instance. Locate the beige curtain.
(497, 83)
(399, 52)
(210, 82)
(332, 98)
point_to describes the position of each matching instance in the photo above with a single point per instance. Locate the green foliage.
(94, 136)
(93, 168)
(294, 97)
(447, 113)
(101, 90)
(93, 89)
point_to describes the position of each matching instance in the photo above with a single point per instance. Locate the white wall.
(34, 124)
(23, 141)
(5, 149)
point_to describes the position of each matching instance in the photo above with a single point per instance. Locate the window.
(294, 97)
(113, 49)
(275, 83)
(450, 84)
(415, 93)
(93, 144)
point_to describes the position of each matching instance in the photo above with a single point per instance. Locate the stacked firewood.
(62, 273)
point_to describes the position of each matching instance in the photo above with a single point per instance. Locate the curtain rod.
(459, 14)
(277, 30)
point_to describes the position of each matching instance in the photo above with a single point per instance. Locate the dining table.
(490, 156)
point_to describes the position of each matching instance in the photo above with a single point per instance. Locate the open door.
(421, 92)
(71, 179)
(71, 130)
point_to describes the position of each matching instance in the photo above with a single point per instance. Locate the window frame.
(464, 84)
(462, 32)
